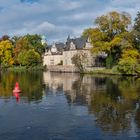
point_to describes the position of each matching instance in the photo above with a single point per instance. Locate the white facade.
(53, 58)
(67, 56)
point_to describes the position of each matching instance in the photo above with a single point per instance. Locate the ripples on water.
(67, 106)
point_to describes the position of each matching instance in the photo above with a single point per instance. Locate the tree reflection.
(114, 101)
(76, 95)
(29, 82)
(115, 107)
(81, 89)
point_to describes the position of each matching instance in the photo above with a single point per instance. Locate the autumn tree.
(129, 62)
(6, 53)
(21, 46)
(109, 35)
(28, 50)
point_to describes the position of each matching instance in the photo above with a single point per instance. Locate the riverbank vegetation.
(115, 36)
(24, 52)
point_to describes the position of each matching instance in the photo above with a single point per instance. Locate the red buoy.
(17, 96)
(16, 89)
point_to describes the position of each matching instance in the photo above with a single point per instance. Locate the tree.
(29, 58)
(32, 58)
(129, 63)
(21, 46)
(110, 35)
(35, 42)
(80, 61)
(25, 46)
(6, 53)
(21, 58)
(136, 31)
(113, 23)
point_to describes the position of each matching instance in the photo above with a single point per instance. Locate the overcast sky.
(57, 18)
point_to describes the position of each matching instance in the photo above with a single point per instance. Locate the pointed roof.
(59, 46)
(79, 43)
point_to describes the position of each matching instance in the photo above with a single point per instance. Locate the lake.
(68, 106)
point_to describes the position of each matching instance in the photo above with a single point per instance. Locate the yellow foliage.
(6, 51)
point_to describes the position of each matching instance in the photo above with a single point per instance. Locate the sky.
(57, 18)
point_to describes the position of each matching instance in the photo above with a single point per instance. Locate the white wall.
(66, 58)
(67, 55)
(52, 59)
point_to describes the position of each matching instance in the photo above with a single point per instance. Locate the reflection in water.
(16, 91)
(113, 102)
(17, 96)
(30, 85)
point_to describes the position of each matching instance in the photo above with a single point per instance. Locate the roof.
(79, 43)
(59, 46)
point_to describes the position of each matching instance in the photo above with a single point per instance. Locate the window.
(51, 62)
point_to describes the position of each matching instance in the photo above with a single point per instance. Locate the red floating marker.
(16, 89)
(17, 96)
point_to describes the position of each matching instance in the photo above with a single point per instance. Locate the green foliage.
(113, 23)
(22, 58)
(35, 42)
(32, 58)
(21, 46)
(128, 63)
(29, 58)
(109, 62)
(28, 50)
(113, 37)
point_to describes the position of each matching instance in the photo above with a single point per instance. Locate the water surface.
(54, 106)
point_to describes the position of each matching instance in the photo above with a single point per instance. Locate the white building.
(61, 54)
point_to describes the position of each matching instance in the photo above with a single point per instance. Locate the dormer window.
(53, 49)
(72, 46)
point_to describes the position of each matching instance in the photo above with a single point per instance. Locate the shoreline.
(95, 70)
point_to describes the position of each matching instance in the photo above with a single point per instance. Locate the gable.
(72, 46)
(53, 49)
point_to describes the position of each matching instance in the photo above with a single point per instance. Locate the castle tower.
(43, 39)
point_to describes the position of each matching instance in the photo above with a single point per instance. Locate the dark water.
(55, 106)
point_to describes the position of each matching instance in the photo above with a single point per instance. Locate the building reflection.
(114, 101)
(76, 88)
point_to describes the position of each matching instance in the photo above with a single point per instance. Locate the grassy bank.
(23, 68)
(105, 71)
(108, 72)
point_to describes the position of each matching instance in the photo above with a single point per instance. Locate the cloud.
(33, 28)
(63, 4)
(57, 19)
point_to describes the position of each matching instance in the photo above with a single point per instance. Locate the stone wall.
(62, 68)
